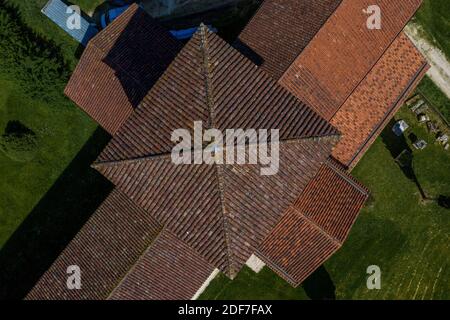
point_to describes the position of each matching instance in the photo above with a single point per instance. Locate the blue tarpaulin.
(60, 13)
(188, 33)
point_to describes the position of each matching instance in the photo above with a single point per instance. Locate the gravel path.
(440, 66)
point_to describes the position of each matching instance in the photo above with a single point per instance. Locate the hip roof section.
(377, 98)
(344, 51)
(281, 29)
(210, 81)
(315, 226)
(119, 66)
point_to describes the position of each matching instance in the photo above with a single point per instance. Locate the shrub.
(34, 62)
(18, 142)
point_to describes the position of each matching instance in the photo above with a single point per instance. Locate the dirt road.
(440, 65)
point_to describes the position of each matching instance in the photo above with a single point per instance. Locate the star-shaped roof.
(223, 211)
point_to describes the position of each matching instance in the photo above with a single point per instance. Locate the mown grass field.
(433, 16)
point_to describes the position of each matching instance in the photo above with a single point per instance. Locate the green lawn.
(88, 6)
(40, 199)
(436, 97)
(61, 133)
(433, 16)
(407, 239)
(30, 12)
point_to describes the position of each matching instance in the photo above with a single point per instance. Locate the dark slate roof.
(281, 29)
(343, 52)
(109, 249)
(315, 226)
(119, 66)
(211, 81)
(378, 97)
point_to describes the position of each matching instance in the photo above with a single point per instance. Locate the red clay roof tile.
(377, 98)
(119, 66)
(105, 249)
(315, 226)
(343, 52)
(281, 29)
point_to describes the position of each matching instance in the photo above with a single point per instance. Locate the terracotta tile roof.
(219, 215)
(343, 52)
(119, 66)
(200, 205)
(112, 247)
(281, 29)
(212, 82)
(315, 226)
(168, 270)
(105, 249)
(377, 99)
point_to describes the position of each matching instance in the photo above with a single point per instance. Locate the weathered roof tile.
(315, 226)
(119, 66)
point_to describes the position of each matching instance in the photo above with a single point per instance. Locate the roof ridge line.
(204, 48)
(162, 228)
(347, 178)
(317, 226)
(167, 154)
(95, 165)
(220, 186)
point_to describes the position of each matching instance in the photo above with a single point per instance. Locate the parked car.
(110, 15)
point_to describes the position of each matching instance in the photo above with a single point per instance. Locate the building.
(310, 69)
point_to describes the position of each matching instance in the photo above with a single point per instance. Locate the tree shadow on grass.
(319, 285)
(396, 145)
(54, 221)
